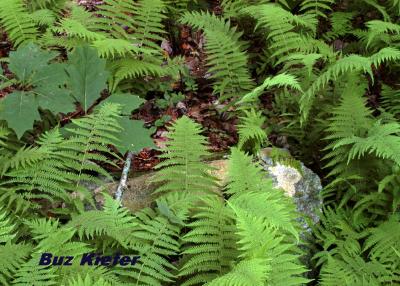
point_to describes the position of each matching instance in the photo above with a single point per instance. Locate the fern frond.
(252, 191)
(243, 174)
(112, 48)
(226, 58)
(377, 30)
(147, 23)
(385, 239)
(260, 239)
(350, 118)
(382, 139)
(280, 80)
(347, 65)
(75, 29)
(280, 25)
(113, 221)
(88, 281)
(44, 17)
(317, 7)
(16, 21)
(154, 240)
(341, 25)
(250, 129)
(391, 100)
(12, 256)
(210, 243)
(251, 272)
(183, 170)
(65, 164)
(6, 228)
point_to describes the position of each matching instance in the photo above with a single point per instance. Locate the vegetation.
(79, 83)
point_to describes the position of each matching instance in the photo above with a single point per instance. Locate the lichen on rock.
(297, 181)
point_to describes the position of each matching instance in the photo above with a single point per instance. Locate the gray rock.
(298, 182)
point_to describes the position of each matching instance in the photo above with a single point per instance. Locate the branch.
(125, 172)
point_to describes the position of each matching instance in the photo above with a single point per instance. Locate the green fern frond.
(280, 80)
(12, 256)
(385, 239)
(382, 139)
(113, 221)
(135, 68)
(6, 228)
(391, 100)
(30, 273)
(347, 65)
(243, 174)
(210, 243)
(24, 157)
(280, 25)
(65, 164)
(260, 239)
(226, 59)
(44, 17)
(250, 129)
(75, 29)
(16, 21)
(353, 270)
(154, 240)
(88, 281)
(377, 30)
(183, 170)
(114, 48)
(341, 25)
(350, 118)
(385, 55)
(147, 23)
(252, 191)
(251, 272)
(317, 7)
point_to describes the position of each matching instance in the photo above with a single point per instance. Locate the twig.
(125, 172)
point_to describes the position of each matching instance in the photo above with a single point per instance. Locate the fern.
(382, 139)
(383, 240)
(341, 25)
(344, 257)
(280, 25)
(154, 240)
(16, 20)
(390, 100)
(281, 80)
(209, 246)
(251, 272)
(113, 221)
(66, 163)
(6, 228)
(350, 118)
(317, 7)
(250, 130)
(260, 240)
(87, 281)
(380, 31)
(183, 170)
(252, 191)
(225, 56)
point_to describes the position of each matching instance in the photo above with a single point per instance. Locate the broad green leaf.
(27, 60)
(47, 81)
(20, 110)
(134, 137)
(87, 74)
(128, 101)
(57, 100)
(50, 88)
